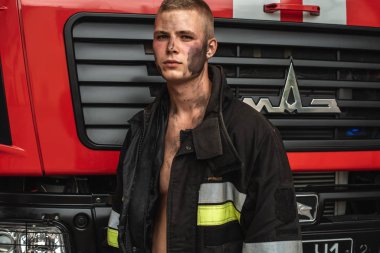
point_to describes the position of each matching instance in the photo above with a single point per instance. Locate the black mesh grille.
(113, 76)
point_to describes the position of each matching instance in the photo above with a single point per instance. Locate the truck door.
(18, 145)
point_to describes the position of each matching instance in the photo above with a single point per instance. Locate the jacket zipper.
(169, 201)
(130, 248)
(139, 155)
(168, 206)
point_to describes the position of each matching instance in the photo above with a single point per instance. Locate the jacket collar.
(211, 139)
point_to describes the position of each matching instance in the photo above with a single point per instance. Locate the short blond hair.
(198, 5)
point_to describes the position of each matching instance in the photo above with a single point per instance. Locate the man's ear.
(212, 45)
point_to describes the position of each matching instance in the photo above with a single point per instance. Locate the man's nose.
(171, 45)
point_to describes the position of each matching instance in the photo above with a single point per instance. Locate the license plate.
(343, 245)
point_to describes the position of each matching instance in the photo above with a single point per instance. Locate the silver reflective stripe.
(213, 193)
(113, 222)
(273, 247)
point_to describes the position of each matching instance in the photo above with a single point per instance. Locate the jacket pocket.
(227, 238)
(230, 247)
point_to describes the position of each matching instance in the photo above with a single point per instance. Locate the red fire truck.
(73, 72)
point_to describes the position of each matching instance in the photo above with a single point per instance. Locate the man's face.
(180, 44)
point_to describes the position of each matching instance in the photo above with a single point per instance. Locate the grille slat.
(108, 116)
(331, 145)
(113, 30)
(329, 208)
(241, 82)
(283, 38)
(111, 52)
(298, 63)
(303, 83)
(136, 52)
(105, 136)
(324, 122)
(106, 73)
(115, 75)
(143, 30)
(302, 179)
(359, 104)
(115, 95)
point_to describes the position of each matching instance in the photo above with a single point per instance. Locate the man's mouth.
(171, 63)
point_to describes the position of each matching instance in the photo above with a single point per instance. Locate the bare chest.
(172, 143)
(176, 123)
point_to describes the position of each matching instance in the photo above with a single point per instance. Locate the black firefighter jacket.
(230, 187)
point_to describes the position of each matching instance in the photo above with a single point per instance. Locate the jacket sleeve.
(113, 222)
(269, 215)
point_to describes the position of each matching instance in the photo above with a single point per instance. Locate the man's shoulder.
(137, 118)
(136, 122)
(240, 117)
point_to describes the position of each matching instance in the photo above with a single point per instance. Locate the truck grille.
(304, 179)
(113, 76)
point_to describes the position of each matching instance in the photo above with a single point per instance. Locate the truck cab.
(73, 72)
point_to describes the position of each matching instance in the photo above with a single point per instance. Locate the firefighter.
(200, 171)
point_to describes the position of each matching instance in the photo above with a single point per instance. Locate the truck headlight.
(32, 237)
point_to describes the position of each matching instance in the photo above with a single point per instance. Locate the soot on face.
(196, 59)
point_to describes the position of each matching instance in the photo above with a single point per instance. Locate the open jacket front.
(230, 187)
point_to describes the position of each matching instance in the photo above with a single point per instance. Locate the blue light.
(354, 132)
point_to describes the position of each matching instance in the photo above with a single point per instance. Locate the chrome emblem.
(325, 105)
(304, 210)
(307, 205)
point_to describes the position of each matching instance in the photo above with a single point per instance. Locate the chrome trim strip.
(214, 193)
(273, 247)
(113, 222)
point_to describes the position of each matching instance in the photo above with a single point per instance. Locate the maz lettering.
(326, 105)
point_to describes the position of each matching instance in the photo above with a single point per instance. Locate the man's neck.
(189, 99)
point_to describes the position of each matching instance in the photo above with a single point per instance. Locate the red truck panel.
(61, 150)
(363, 13)
(22, 157)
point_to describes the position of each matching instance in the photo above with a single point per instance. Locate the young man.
(200, 171)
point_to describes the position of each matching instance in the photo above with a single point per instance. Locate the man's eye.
(186, 37)
(162, 37)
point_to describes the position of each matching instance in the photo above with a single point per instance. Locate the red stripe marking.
(332, 161)
(221, 8)
(363, 12)
(291, 16)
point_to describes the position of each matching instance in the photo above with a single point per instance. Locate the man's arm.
(269, 215)
(113, 222)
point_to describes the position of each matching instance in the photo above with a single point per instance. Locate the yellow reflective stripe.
(219, 214)
(112, 235)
